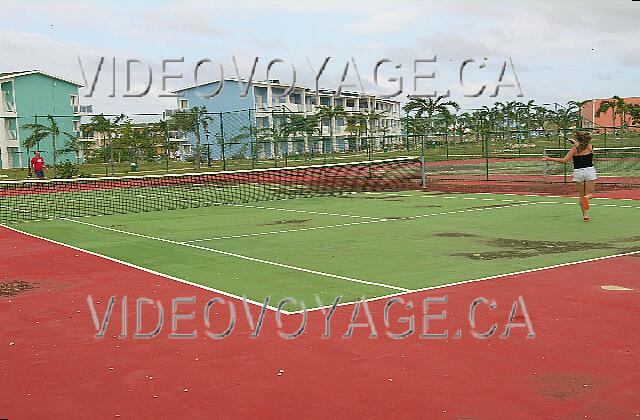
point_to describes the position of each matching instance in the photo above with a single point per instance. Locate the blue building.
(236, 115)
(29, 97)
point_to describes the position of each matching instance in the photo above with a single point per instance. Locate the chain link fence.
(106, 145)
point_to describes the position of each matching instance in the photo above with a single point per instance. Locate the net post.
(545, 164)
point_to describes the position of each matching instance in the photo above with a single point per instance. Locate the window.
(183, 104)
(76, 125)
(74, 100)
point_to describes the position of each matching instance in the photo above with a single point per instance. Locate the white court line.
(146, 270)
(444, 213)
(322, 308)
(494, 277)
(302, 211)
(244, 257)
(574, 202)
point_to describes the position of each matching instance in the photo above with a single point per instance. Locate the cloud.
(559, 48)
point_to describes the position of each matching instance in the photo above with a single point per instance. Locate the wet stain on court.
(455, 235)
(13, 288)
(286, 222)
(518, 248)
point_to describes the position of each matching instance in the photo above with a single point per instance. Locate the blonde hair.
(583, 140)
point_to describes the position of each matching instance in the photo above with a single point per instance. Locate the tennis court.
(360, 232)
(363, 244)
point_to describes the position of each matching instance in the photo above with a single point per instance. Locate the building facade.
(265, 103)
(28, 97)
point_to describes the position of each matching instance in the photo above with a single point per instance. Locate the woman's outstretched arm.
(565, 159)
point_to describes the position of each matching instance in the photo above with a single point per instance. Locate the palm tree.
(108, 128)
(356, 126)
(618, 107)
(372, 118)
(40, 132)
(327, 112)
(193, 121)
(634, 113)
(431, 108)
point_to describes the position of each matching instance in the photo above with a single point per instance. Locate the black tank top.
(584, 161)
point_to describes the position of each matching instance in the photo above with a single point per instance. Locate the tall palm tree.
(329, 113)
(195, 121)
(39, 132)
(618, 107)
(430, 108)
(108, 128)
(356, 127)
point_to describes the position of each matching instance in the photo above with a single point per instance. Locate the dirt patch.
(286, 222)
(631, 239)
(455, 235)
(631, 249)
(14, 287)
(566, 386)
(373, 197)
(518, 248)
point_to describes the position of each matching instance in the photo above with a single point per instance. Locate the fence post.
(253, 148)
(224, 162)
(564, 138)
(486, 153)
(166, 141)
(423, 172)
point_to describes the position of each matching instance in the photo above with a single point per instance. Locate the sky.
(557, 50)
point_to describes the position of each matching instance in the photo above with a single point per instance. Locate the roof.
(12, 74)
(277, 83)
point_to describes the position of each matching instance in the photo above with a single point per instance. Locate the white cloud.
(560, 48)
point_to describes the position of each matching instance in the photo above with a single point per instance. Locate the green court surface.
(355, 245)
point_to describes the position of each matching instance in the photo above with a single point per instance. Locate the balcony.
(82, 109)
(177, 137)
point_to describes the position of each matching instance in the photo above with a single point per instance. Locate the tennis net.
(51, 199)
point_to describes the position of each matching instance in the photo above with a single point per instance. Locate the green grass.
(385, 243)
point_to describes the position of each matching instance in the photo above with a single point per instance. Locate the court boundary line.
(324, 307)
(493, 277)
(244, 257)
(146, 270)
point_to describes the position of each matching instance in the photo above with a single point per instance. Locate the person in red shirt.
(37, 163)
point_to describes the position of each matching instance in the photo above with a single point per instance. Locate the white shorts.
(584, 174)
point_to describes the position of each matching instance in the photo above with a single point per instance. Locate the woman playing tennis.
(584, 174)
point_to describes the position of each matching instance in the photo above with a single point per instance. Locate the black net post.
(222, 145)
